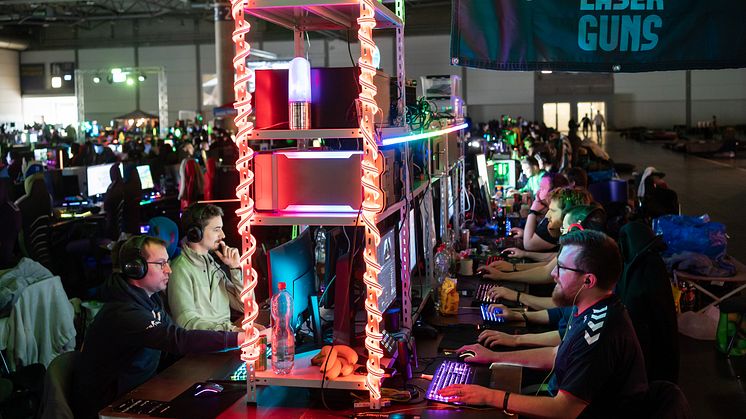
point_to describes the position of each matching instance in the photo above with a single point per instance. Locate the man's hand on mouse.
(229, 255)
(482, 355)
(501, 265)
(493, 273)
(516, 232)
(513, 252)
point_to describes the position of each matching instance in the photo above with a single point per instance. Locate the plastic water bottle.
(283, 340)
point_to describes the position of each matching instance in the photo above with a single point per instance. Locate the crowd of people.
(600, 286)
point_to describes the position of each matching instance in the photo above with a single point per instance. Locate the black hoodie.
(123, 346)
(646, 291)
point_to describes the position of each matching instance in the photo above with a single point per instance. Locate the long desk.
(282, 403)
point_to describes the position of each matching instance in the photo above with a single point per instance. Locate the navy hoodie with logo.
(123, 346)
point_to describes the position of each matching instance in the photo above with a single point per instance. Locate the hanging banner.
(599, 35)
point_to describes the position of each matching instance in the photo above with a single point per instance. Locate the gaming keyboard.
(491, 316)
(239, 374)
(481, 296)
(455, 372)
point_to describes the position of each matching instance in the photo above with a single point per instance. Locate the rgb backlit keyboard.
(491, 316)
(450, 372)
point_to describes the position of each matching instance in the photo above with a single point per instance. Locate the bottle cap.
(281, 286)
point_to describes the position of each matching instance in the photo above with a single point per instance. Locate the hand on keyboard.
(504, 312)
(502, 293)
(482, 355)
(468, 394)
(490, 338)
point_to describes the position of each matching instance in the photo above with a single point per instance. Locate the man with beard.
(598, 367)
(201, 293)
(123, 345)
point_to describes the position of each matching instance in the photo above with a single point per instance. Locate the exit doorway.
(590, 109)
(557, 115)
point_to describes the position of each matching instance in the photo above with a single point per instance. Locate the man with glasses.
(123, 345)
(598, 367)
(202, 294)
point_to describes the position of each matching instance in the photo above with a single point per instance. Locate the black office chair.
(38, 239)
(665, 400)
(56, 396)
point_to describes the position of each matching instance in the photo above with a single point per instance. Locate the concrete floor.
(716, 187)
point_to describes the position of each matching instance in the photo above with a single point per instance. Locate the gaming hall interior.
(372, 209)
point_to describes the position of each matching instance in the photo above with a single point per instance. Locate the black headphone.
(131, 262)
(587, 281)
(193, 227)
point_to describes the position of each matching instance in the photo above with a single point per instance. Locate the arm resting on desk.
(539, 358)
(540, 275)
(539, 339)
(166, 336)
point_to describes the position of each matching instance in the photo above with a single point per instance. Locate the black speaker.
(131, 261)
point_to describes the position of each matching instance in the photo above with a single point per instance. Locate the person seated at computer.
(584, 217)
(560, 200)
(599, 370)
(123, 345)
(114, 203)
(530, 168)
(589, 217)
(537, 235)
(132, 197)
(191, 183)
(202, 294)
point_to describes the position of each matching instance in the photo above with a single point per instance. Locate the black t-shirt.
(600, 361)
(542, 230)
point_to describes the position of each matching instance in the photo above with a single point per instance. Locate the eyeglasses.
(580, 271)
(162, 264)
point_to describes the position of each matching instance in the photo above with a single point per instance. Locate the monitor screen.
(482, 169)
(40, 154)
(117, 148)
(293, 263)
(98, 178)
(146, 179)
(387, 277)
(70, 186)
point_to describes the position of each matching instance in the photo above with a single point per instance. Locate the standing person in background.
(586, 122)
(600, 122)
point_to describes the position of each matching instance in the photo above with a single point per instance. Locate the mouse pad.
(185, 405)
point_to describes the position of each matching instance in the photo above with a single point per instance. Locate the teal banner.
(599, 35)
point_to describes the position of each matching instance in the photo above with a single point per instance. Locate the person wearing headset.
(202, 294)
(598, 367)
(123, 345)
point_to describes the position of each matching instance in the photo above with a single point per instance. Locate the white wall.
(721, 93)
(494, 93)
(656, 99)
(104, 101)
(180, 63)
(10, 87)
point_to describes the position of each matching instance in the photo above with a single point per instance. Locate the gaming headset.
(131, 261)
(193, 227)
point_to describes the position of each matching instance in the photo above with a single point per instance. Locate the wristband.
(505, 404)
(536, 213)
(518, 297)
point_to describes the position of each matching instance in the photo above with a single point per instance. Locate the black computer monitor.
(53, 180)
(294, 264)
(146, 179)
(70, 186)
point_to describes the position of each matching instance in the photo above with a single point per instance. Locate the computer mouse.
(481, 272)
(207, 389)
(467, 354)
(506, 253)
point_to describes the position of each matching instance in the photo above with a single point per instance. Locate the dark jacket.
(123, 346)
(646, 291)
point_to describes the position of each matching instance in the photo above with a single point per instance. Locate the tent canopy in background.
(599, 35)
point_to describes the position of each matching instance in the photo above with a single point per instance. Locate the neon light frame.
(428, 134)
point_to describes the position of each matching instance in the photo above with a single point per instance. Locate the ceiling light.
(96, 79)
(141, 77)
(56, 82)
